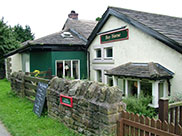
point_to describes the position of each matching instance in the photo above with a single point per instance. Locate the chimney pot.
(73, 15)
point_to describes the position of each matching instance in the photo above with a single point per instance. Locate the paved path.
(3, 130)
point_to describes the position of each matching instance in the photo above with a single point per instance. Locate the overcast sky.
(48, 16)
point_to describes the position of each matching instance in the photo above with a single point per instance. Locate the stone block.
(76, 117)
(108, 130)
(109, 119)
(112, 109)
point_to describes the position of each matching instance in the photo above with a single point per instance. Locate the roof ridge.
(146, 12)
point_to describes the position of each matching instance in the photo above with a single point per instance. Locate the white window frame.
(105, 52)
(95, 50)
(71, 67)
(103, 59)
(96, 75)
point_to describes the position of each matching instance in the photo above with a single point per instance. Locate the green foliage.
(7, 43)
(22, 34)
(98, 19)
(10, 39)
(140, 105)
(17, 115)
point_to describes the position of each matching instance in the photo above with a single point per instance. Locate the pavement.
(3, 130)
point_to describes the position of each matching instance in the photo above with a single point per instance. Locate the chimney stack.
(73, 15)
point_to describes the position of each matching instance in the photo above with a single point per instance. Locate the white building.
(137, 51)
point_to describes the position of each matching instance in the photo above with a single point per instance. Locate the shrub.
(140, 105)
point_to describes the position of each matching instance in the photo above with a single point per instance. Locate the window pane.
(75, 69)
(109, 52)
(161, 87)
(99, 75)
(98, 53)
(132, 88)
(109, 81)
(60, 69)
(146, 88)
(67, 68)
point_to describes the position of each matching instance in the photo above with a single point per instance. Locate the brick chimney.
(73, 15)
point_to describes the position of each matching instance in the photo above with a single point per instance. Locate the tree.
(8, 43)
(98, 19)
(22, 34)
(11, 39)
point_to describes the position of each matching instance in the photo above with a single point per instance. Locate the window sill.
(108, 58)
(105, 61)
(153, 106)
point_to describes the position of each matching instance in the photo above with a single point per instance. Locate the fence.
(135, 125)
(26, 85)
(43, 74)
(171, 113)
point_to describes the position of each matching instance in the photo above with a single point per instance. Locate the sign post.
(40, 98)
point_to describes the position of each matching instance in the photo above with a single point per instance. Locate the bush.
(140, 105)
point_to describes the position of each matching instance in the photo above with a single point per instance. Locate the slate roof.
(80, 30)
(169, 26)
(164, 28)
(150, 70)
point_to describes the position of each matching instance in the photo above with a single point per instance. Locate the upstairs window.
(108, 52)
(98, 53)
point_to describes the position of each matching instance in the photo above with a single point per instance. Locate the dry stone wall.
(96, 107)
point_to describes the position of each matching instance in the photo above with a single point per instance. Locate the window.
(109, 80)
(161, 89)
(60, 69)
(98, 53)
(75, 70)
(132, 88)
(146, 88)
(68, 68)
(108, 53)
(121, 85)
(99, 75)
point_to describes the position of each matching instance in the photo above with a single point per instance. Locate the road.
(3, 130)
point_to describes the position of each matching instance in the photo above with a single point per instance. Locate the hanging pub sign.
(113, 36)
(66, 100)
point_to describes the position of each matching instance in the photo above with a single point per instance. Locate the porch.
(147, 78)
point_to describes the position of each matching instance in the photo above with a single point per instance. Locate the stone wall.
(96, 107)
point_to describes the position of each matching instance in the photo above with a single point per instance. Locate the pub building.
(138, 52)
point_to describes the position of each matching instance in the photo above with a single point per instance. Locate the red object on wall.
(66, 100)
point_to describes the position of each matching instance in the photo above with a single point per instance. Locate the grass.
(17, 115)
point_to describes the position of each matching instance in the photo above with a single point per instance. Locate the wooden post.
(49, 73)
(23, 86)
(163, 109)
(120, 127)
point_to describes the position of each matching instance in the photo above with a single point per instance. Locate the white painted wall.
(16, 62)
(140, 47)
